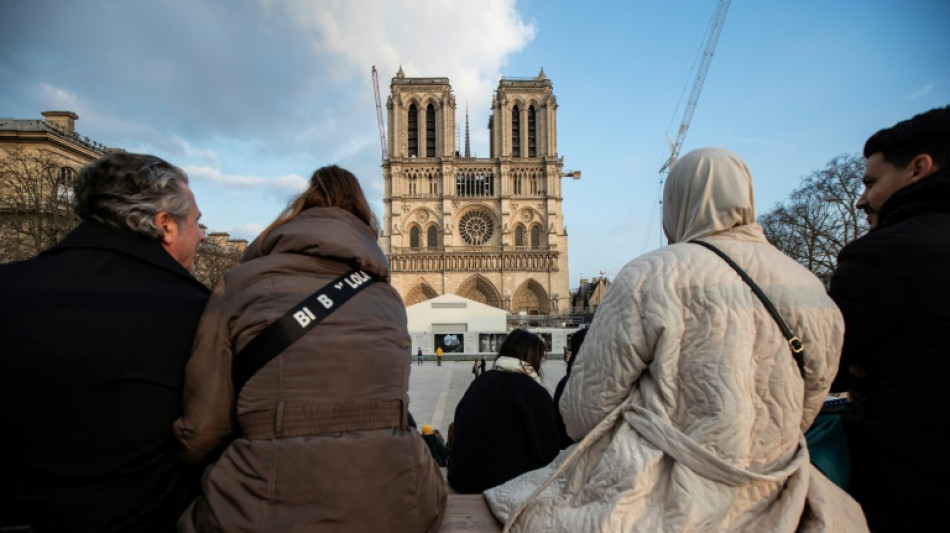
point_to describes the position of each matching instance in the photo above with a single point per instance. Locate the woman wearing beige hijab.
(686, 401)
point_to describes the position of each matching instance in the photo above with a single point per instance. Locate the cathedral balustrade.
(429, 262)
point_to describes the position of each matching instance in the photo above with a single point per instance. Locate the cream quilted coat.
(685, 393)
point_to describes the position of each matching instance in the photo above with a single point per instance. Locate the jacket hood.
(326, 232)
(707, 191)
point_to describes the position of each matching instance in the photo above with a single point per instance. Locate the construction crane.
(709, 48)
(712, 37)
(379, 116)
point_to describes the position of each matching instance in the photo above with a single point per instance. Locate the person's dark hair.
(926, 133)
(330, 186)
(524, 345)
(126, 190)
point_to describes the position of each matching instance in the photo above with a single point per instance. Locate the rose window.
(476, 227)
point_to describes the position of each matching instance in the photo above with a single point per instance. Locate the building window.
(532, 134)
(413, 132)
(516, 184)
(472, 182)
(515, 132)
(412, 185)
(432, 238)
(430, 131)
(535, 236)
(414, 237)
(476, 227)
(519, 235)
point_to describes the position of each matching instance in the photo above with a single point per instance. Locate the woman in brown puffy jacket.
(322, 441)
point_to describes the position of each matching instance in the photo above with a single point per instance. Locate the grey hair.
(126, 190)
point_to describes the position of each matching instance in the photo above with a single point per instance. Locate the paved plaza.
(434, 390)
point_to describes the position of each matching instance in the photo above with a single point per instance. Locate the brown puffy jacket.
(304, 460)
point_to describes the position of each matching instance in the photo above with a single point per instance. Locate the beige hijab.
(707, 191)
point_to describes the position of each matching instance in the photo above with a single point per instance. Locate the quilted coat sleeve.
(612, 357)
(208, 391)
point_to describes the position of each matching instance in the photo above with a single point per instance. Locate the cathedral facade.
(487, 229)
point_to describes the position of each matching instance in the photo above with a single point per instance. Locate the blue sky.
(250, 96)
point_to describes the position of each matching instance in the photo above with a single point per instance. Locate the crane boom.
(712, 37)
(379, 116)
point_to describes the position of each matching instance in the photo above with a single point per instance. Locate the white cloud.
(280, 186)
(246, 231)
(467, 41)
(922, 92)
(190, 151)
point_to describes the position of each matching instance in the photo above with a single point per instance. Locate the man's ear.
(168, 225)
(921, 167)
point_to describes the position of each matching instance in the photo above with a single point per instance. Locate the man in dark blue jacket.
(893, 287)
(94, 336)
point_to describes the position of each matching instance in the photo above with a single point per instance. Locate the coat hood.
(327, 232)
(707, 191)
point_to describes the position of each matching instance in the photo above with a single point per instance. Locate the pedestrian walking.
(419, 357)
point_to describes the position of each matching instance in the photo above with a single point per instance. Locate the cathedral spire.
(467, 145)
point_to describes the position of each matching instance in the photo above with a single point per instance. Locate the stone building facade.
(38, 160)
(487, 229)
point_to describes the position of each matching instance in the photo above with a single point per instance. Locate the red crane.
(379, 116)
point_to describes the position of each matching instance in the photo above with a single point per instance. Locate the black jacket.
(893, 287)
(95, 333)
(504, 426)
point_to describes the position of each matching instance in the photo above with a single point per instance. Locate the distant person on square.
(96, 332)
(893, 287)
(419, 357)
(686, 401)
(438, 355)
(505, 423)
(322, 440)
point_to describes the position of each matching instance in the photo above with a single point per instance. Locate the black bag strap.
(794, 343)
(283, 332)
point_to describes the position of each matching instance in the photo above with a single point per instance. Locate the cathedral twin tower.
(487, 229)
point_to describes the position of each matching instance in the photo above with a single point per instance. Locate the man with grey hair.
(94, 336)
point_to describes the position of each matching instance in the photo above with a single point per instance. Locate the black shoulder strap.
(283, 332)
(794, 343)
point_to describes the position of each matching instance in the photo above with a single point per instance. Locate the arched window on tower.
(414, 237)
(519, 235)
(432, 238)
(535, 236)
(413, 133)
(515, 132)
(430, 131)
(532, 134)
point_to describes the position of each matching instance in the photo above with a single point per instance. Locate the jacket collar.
(929, 194)
(516, 366)
(92, 235)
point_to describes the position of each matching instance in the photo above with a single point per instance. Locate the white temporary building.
(464, 327)
(458, 325)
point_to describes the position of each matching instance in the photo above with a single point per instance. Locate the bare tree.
(215, 259)
(35, 202)
(820, 217)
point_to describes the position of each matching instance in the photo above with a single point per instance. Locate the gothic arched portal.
(420, 293)
(531, 298)
(481, 290)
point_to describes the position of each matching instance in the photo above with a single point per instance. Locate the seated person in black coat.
(576, 340)
(505, 424)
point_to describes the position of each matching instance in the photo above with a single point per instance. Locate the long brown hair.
(330, 186)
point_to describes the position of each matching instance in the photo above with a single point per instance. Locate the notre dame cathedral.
(487, 229)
